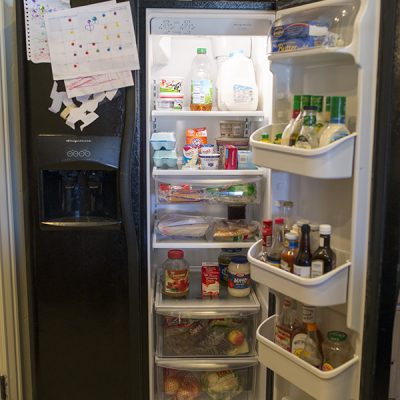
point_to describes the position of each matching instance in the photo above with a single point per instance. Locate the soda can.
(231, 157)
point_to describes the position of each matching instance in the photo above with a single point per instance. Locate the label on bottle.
(176, 281)
(243, 94)
(303, 143)
(308, 314)
(238, 281)
(282, 338)
(276, 262)
(321, 242)
(317, 268)
(301, 270)
(327, 367)
(285, 265)
(201, 91)
(298, 343)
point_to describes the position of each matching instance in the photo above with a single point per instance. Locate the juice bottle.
(176, 274)
(201, 84)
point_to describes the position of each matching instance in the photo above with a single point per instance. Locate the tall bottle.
(304, 102)
(302, 265)
(336, 128)
(324, 259)
(287, 216)
(266, 239)
(318, 101)
(286, 326)
(289, 253)
(308, 136)
(201, 84)
(299, 339)
(289, 128)
(274, 253)
(311, 352)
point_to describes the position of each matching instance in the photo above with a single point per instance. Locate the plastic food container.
(170, 103)
(165, 158)
(231, 129)
(210, 327)
(170, 85)
(209, 161)
(163, 140)
(239, 143)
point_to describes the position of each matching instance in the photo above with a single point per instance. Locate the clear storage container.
(204, 379)
(205, 327)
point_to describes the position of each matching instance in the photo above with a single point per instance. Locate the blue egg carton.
(163, 140)
(165, 158)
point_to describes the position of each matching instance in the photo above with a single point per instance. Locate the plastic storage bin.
(204, 379)
(165, 158)
(163, 140)
(330, 385)
(205, 327)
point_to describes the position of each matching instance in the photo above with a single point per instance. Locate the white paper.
(37, 48)
(98, 83)
(92, 40)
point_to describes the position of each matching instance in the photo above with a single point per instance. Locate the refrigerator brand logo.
(78, 153)
(78, 141)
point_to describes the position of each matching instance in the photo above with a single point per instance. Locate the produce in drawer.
(222, 385)
(235, 230)
(218, 337)
(180, 385)
(244, 193)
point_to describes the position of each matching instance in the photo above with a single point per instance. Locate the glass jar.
(224, 260)
(336, 349)
(239, 277)
(176, 274)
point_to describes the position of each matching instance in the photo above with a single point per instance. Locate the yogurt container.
(190, 157)
(209, 161)
(168, 85)
(207, 149)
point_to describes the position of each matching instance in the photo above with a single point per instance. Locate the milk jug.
(237, 87)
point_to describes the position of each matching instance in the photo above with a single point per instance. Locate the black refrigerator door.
(383, 280)
(85, 238)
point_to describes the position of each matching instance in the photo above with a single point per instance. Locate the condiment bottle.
(311, 352)
(266, 239)
(302, 265)
(304, 102)
(224, 260)
(289, 253)
(239, 277)
(324, 258)
(176, 274)
(289, 128)
(274, 254)
(337, 350)
(287, 215)
(308, 136)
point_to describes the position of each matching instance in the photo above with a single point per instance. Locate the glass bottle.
(311, 352)
(274, 253)
(304, 102)
(299, 339)
(314, 237)
(302, 265)
(267, 239)
(336, 350)
(289, 128)
(290, 251)
(308, 136)
(286, 325)
(201, 84)
(318, 101)
(324, 258)
(287, 216)
(176, 274)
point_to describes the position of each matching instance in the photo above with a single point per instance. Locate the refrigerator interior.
(342, 203)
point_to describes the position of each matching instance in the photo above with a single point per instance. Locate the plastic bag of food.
(243, 193)
(222, 385)
(235, 231)
(183, 226)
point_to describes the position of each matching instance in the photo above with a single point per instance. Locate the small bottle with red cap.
(176, 274)
(274, 253)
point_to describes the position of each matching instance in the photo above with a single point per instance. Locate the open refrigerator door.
(193, 198)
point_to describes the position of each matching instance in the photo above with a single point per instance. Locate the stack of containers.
(164, 146)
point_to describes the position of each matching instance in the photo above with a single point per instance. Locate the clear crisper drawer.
(205, 327)
(201, 379)
(324, 26)
(224, 191)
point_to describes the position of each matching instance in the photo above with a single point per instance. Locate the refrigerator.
(333, 187)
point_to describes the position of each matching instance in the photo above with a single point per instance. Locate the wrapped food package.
(235, 231)
(183, 226)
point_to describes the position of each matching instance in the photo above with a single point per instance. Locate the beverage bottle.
(302, 265)
(274, 253)
(327, 115)
(324, 258)
(176, 274)
(299, 338)
(336, 350)
(336, 128)
(311, 352)
(308, 136)
(290, 251)
(287, 216)
(318, 101)
(267, 239)
(304, 102)
(286, 326)
(295, 112)
(201, 84)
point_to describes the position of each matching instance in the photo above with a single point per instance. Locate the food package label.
(238, 281)
(210, 276)
(282, 45)
(190, 157)
(176, 281)
(196, 136)
(300, 30)
(202, 92)
(171, 85)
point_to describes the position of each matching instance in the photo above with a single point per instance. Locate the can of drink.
(231, 157)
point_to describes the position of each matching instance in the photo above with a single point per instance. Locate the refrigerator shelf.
(334, 161)
(206, 364)
(209, 174)
(326, 290)
(253, 115)
(331, 385)
(197, 244)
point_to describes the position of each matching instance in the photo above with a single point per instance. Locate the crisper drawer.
(199, 379)
(223, 191)
(205, 327)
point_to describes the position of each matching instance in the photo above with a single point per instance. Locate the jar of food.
(224, 259)
(176, 274)
(336, 349)
(239, 277)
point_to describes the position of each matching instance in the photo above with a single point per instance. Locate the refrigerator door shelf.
(332, 385)
(159, 173)
(327, 290)
(334, 161)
